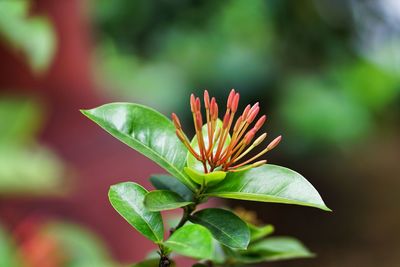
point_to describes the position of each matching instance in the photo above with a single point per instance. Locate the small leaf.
(159, 200)
(207, 179)
(269, 183)
(278, 248)
(167, 182)
(127, 198)
(192, 162)
(193, 241)
(258, 232)
(225, 226)
(147, 131)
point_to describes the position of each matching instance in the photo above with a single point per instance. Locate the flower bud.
(260, 139)
(260, 122)
(274, 143)
(235, 103)
(206, 99)
(192, 103)
(246, 111)
(230, 98)
(253, 113)
(176, 121)
(249, 136)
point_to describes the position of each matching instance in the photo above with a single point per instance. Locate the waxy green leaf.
(269, 183)
(159, 200)
(192, 240)
(207, 179)
(225, 226)
(167, 182)
(276, 248)
(147, 131)
(127, 199)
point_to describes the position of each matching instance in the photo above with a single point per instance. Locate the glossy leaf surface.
(167, 182)
(207, 179)
(192, 240)
(147, 131)
(127, 198)
(269, 183)
(225, 226)
(159, 200)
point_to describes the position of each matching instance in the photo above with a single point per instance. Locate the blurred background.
(325, 72)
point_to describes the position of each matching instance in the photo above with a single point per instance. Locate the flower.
(219, 147)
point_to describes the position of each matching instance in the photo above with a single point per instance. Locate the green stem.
(187, 211)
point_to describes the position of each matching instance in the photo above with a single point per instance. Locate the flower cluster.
(219, 147)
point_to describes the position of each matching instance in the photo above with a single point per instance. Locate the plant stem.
(187, 211)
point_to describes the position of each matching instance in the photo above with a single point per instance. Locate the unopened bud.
(235, 103)
(249, 136)
(230, 98)
(253, 114)
(246, 111)
(176, 121)
(206, 99)
(192, 103)
(198, 104)
(274, 143)
(238, 123)
(260, 139)
(214, 109)
(260, 122)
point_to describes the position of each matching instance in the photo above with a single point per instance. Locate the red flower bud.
(235, 103)
(192, 103)
(246, 111)
(260, 122)
(249, 136)
(253, 113)
(274, 143)
(206, 99)
(230, 98)
(198, 104)
(237, 124)
(176, 121)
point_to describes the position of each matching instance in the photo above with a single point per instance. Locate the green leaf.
(225, 226)
(127, 198)
(147, 131)
(207, 179)
(269, 183)
(167, 182)
(151, 263)
(192, 162)
(258, 232)
(193, 241)
(164, 200)
(276, 248)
